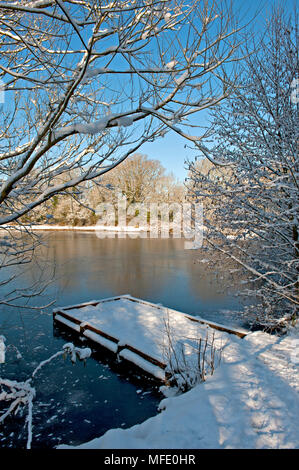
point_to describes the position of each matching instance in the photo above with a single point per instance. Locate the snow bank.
(251, 401)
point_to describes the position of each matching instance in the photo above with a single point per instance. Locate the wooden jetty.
(139, 331)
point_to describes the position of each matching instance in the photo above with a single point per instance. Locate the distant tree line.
(137, 180)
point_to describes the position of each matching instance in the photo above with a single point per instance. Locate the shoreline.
(98, 228)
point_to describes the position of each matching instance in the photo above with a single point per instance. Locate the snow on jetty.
(154, 338)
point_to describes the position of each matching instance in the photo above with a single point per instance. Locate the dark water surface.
(76, 403)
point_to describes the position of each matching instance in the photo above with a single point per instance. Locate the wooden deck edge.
(87, 326)
(68, 317)
(145, 366)
(83, 326)
(92, 302)
(67, 323)
(226, 329)
(145, 356)
(214, 325)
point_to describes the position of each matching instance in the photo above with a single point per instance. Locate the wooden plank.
(93, 303)
(145, 302)
(144, 365)
(100, 340)
(69, 324)
(218, 327)
(68, 317)
(144, 356)
(87, 326)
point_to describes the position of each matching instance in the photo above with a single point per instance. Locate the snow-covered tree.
(251, 210)
(83, 84)
(138, 179)
(87, 83)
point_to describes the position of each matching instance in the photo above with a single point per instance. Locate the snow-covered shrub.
(190, 360)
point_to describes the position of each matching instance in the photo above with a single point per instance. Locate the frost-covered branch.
(251, 203)
(69, 101)
(21, 394)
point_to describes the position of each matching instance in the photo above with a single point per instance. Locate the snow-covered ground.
(251, 401)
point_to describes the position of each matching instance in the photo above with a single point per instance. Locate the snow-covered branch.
(251, 203)
(21, 394)
(68, 99)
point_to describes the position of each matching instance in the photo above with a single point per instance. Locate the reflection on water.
(153, 269)
(77, 403)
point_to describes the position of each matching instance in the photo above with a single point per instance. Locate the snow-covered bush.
(190, 360)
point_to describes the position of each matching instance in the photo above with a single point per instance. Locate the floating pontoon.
(141, 332)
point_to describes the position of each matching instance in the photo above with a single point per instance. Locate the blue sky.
(171, 150)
